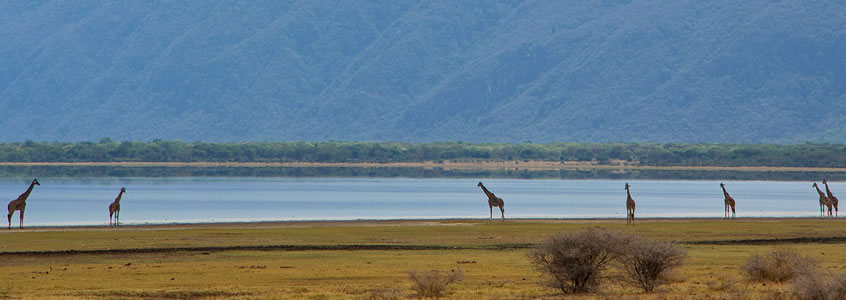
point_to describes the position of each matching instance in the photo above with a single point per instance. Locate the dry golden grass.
(491, 255)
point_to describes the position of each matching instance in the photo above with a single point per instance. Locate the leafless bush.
(645, 260)
(433, 283)
(575, 262)
(816, 286)
(779, 265)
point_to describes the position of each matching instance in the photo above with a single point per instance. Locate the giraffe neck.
(628, 194)
(725, 192)
(820, 192)
(827, 191)
(28, 191)
(117, 200)
(488, 193)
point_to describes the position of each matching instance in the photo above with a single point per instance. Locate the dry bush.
(433, 283)
(779, 265)
(575, 262)
(721, 286)
(816, 286)
(385, 293)
(645, 260)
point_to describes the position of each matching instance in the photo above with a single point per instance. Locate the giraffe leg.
(117, 218)
(502, 210)
(22, 219)
(491, 207)
(632, 217)
(9, 216)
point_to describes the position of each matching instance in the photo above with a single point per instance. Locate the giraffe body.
(831, 198)
(630, 206)
(824, 202)
(493, 200)
(114, 208)
(19, 204)
(729, 203)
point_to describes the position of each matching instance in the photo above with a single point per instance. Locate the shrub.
(433, 283)
(778, 266)
(575, 262)
(645, 260)
(815, 286)
(385, 293)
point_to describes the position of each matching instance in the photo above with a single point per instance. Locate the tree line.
(106, 150)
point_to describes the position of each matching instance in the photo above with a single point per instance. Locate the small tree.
(575, 262)
(646, 260)
(433, 283)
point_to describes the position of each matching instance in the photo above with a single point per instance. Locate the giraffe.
(823, 201)
(729, 202)
(630, 206)
(493, 200)
(831, 198)
(20, 203)
(114, 208)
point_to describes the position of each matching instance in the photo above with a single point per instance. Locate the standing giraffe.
(729, 202)
(630, 206)
(831, 198)
(493, 200)
(823, 201)
(20, 203)
(114, 208)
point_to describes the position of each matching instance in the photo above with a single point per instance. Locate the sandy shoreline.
(372, 223)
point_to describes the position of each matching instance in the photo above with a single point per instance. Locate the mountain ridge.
(421, 71)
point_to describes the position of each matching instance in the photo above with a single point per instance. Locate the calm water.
(84, 201)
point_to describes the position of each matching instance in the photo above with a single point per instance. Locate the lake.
(85, 201)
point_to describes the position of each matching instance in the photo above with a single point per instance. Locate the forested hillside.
(733, 155)
(755, 71)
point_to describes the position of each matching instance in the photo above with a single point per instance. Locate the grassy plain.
(367, 259)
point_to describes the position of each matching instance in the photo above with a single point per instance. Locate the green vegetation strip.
(648, 154)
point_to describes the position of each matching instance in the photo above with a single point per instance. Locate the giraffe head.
(480, 184)
(123, 190)
(627, 185)
(825, 181)
(722, 185)
(35, 181)
(814, 185)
